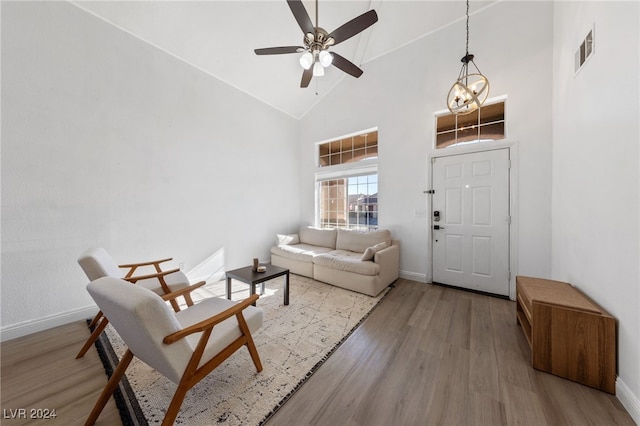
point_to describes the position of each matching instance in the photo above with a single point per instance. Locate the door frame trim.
(512, 147)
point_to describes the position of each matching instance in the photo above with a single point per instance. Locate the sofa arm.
(389, 261)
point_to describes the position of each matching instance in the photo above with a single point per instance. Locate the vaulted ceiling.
(219, 37)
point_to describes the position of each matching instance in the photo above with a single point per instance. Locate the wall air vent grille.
(585, 50)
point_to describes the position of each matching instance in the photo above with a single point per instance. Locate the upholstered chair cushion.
(143, 320)
(97, 263)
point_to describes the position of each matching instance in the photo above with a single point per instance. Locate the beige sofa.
(365, 262)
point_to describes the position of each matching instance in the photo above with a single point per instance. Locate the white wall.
(399, 94)
(596, 184)
(108, 141)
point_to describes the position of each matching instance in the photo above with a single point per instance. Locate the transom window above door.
(487, 123)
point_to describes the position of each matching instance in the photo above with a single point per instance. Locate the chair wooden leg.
(250, 345)
(109, 388)
(94, 336)
(95, 319)
(176, 403)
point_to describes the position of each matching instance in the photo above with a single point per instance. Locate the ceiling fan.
(317, 42)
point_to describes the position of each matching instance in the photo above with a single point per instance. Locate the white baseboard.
(628, 400)
(29, 327)
(413, 276)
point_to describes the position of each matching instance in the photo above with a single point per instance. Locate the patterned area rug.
(293, 342)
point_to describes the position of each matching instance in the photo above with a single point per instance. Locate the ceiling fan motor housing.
(318, 41)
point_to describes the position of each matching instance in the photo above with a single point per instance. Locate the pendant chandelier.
(471, 89)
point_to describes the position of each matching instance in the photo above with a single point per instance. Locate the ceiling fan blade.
(306, 77)
(354, 26)
(346, 65)
(278, 50)
(301, 15)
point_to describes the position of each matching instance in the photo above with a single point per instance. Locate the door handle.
(436, 227)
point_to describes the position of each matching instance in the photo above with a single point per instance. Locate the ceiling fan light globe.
(325, 58)
(318, 70)
(306, 60)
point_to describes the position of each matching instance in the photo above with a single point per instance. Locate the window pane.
(350, 203)
(445, 139)
(335, 159)
(468, 119)
(492, 131)
(372, 151)
(492, 113)
(468, 134)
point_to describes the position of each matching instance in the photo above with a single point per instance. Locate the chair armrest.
(210, 322)
(175, 294)
(148, 276)
(133, 266)
(151, 262)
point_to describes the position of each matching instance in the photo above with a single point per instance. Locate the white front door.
(471, 238)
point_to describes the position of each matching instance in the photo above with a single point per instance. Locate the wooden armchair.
(97, 263)
(183, 346)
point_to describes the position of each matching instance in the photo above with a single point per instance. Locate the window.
(347, 182)
(485, 124)
(349, 149)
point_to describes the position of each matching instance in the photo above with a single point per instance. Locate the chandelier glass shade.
(471, 88)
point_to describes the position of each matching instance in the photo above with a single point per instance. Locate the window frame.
(363, 167)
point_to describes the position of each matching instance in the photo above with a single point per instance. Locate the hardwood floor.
(436, 355)
(40, 371)
(426, 355)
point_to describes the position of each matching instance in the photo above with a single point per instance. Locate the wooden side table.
(248, 276)
(569, 334)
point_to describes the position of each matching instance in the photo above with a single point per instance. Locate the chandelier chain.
(467, 48)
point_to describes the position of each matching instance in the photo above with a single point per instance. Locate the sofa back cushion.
(318, 237)
(360, 241)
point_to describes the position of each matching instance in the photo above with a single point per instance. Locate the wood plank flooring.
(435, 355)
(426, 355)
(40, 371)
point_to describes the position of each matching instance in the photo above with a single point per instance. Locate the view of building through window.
(349, 197)
(350, 203)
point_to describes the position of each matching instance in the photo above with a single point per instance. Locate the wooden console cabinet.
(570, 335)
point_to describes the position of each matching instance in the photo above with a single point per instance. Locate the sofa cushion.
(370, 252)
(300, 252)
(360, 241)
(287, 239)
(318, 237)
(345, 260)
